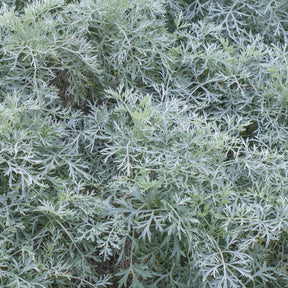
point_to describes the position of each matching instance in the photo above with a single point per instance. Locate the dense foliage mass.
(143, 143)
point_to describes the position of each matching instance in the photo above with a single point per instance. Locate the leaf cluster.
(143, 143)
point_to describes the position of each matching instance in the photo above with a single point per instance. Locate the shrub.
(143, 143)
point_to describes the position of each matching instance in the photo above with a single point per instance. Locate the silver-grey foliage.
(143, 143)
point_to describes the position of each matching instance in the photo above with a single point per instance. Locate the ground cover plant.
(143, 143)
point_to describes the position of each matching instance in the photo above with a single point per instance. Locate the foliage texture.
(143, 143)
